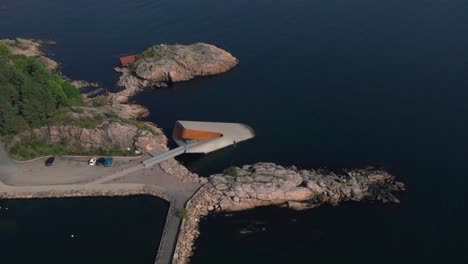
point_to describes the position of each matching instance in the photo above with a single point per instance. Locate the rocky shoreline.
(163, 64)
(268, 184)
(236, 189)
(31, 48)
(101, 125)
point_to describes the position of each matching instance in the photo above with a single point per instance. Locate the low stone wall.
(66, 191)
(197, 208)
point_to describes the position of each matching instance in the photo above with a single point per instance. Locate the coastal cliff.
(163, 64)
(95, 130)
(268, 184)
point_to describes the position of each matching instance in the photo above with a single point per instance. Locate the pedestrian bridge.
(202, 137)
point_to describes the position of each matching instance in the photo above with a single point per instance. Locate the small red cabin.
(127, 61)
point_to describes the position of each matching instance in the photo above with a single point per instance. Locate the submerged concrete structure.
(206, 137)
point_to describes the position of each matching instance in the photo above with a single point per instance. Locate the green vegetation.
(77, 110)
(232, 171)
(113, 117)
(111, 114)
(31, 147)
(99, 101)
(183, 213)
(86, 122)
(59, 116)
(136, 123)
(90, 122)
(149, 53)
(30, 95)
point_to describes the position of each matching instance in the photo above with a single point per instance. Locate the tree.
(30, 95)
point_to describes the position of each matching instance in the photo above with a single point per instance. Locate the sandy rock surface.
(163, 64)
(31, 48)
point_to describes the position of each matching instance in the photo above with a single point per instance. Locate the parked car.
(108, 162)
(49, 161)
(100, 161)
(92, 162)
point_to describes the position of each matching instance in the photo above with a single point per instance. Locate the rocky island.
(163, 64)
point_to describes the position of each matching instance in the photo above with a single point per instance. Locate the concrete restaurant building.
(205, 137)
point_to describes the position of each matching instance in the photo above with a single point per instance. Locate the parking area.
(67, 170)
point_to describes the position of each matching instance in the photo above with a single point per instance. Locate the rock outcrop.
(101, 127)
(269, 184)
(162, 64)
(108, 136)
(175, 63)
(82, 83)
(31, 48)
(129, 111)
(109, 127)
(265, 184)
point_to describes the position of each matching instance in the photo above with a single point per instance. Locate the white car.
(92, 162)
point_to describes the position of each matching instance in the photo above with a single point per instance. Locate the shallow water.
(323, 83)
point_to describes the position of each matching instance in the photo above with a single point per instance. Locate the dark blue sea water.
(81, 230)
(324, 83)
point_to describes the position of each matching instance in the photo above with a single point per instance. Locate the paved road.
(139, 180)
(118, 174)
(67, 170)
(171, 233)
(7, 166)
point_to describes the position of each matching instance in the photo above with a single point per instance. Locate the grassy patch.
(31, 147)
(99, 101)
(183, 213)
(85, 122)
(232, 171)
(111, 114)
(77, 110)
(138, 124)
(59, 116)
(148, 54)
(89, 122)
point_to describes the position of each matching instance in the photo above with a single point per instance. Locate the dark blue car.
(108, 162)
